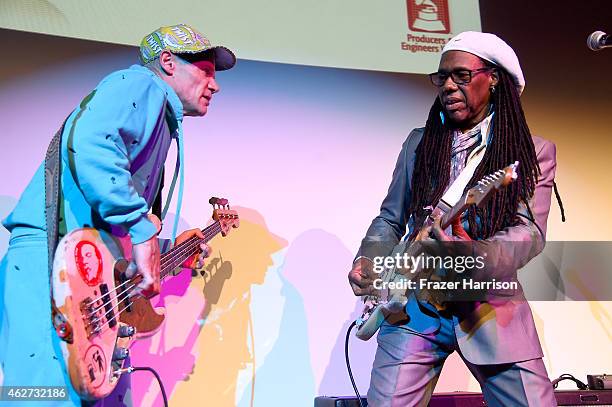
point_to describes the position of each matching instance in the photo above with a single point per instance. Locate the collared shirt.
(114, 146)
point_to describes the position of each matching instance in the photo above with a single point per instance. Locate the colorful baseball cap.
(183, 39)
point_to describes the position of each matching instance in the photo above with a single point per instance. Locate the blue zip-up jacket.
(114, 146)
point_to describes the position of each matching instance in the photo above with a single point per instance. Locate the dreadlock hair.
(510, 141)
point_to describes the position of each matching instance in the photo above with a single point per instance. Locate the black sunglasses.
(459, 76)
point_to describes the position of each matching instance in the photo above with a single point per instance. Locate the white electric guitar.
(390, 302)
(95, 315)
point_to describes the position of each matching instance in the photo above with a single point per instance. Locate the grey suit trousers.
(408, 364)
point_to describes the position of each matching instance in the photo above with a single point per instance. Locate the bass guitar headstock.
(222, 213)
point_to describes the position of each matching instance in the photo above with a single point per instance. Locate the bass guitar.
(95, 312)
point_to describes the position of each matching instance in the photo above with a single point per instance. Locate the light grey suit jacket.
(489, 332)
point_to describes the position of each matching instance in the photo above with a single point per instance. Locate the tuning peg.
(223, 201)
(213, 201)
(515, 170)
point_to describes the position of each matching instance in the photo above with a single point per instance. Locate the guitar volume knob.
(126, 331)
(121, 353)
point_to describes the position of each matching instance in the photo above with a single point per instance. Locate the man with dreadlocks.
(476, 116)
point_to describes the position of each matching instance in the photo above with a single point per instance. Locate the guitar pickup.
(125, 302)
(108, 306)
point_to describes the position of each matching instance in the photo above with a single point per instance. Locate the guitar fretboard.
(181, 252)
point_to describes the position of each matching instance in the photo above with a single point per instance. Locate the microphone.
(599, 40)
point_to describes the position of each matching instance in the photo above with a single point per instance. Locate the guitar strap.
(52, 204)
(455, 191)
(156, 209)
(52, 170)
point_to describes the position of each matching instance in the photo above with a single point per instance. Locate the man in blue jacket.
(113, 148)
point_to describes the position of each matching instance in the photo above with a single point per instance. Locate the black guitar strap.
(52, 174)
(156, 209)
(52, 204)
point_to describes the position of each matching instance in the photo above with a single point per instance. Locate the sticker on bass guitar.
(89, 262)
(96, 365)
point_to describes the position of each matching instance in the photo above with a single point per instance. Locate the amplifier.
(466, 399)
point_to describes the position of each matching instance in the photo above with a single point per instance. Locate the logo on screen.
(428, 16)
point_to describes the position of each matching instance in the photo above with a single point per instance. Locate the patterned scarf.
(464, 144)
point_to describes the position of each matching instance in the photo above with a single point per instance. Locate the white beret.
(490, 48)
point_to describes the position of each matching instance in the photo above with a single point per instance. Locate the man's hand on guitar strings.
(145, 261)
(436, 242)
(438, 233)
(362, 276)
(197, 260)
